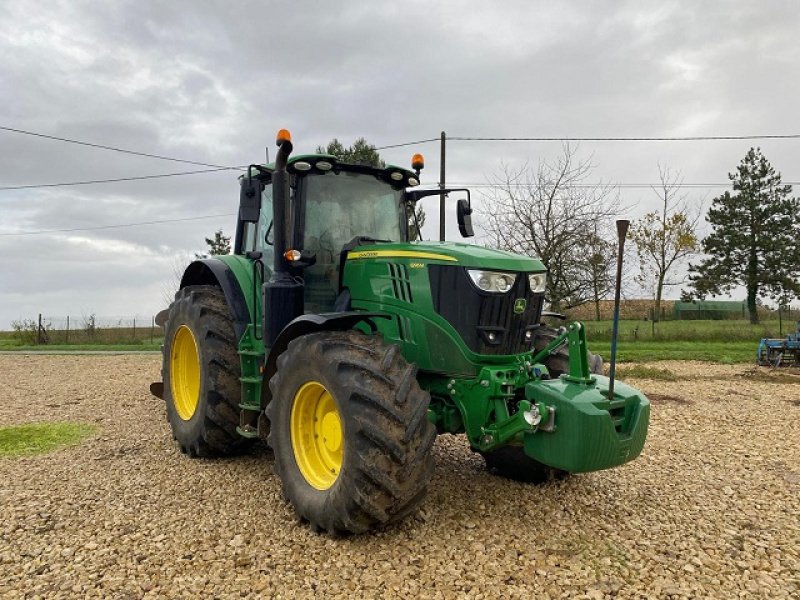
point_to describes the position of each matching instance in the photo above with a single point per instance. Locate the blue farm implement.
(780, 352)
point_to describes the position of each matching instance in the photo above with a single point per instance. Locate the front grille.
(480, 316)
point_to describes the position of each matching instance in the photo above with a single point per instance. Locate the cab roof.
(392, 174)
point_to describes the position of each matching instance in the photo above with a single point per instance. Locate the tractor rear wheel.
(350, 432)
(201, 373)
(511, 461)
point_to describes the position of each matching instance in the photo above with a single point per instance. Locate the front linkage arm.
(575, 336)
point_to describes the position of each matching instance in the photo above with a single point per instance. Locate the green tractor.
(347, 346)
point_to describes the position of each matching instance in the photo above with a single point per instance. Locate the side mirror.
(250, 199)
(464, 215)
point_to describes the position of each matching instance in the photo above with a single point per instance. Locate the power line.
(120, 226)
(115, 180)
(113, 148)
(691, 138)
(425, 141)
(607, 184)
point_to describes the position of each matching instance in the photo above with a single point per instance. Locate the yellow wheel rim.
(317, 436)
(184, 373)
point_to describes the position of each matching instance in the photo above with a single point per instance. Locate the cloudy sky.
(212, 82)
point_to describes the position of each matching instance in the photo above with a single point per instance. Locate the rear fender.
(305, 324)
(210, 271)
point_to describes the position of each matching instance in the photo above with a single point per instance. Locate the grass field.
(719, 352)
(80, 337)
(717, 341)
(35, 438)
(688, 331)
(143, 347)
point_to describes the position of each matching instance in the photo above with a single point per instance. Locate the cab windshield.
(339, 207)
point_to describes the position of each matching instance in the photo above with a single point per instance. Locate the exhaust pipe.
(622, 231)
(280, 200)
(282, 295)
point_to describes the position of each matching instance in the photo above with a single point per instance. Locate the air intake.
(401, 287)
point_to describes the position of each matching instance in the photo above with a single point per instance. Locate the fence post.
(152, 327)
(66, 340)
(134, 329)
(39, 331)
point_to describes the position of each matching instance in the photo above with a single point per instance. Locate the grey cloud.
(213, 81)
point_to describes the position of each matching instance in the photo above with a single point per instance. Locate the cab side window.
(265, 233)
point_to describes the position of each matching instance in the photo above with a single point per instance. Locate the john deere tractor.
(347, 346)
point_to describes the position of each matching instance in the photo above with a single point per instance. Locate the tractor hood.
(453, 253)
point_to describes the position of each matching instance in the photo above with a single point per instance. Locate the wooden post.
(134, 328)
(39, 330)
(66, 339)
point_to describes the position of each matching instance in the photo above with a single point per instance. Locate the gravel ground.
(711, 508)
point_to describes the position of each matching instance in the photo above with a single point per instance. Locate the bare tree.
(600, 253)
(551, 212)
(665, 238)
(177, 265)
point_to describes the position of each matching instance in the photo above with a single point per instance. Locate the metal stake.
(622, 230)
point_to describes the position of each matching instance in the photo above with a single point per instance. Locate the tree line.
(549, 211)
(552, 211)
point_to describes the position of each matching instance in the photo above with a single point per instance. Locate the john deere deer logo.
(519, 305)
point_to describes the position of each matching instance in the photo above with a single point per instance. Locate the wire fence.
(643, 310)
(84, 329)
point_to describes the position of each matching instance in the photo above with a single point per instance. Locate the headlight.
(491, 281)
(537, 281)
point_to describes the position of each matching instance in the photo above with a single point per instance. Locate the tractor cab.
(326, 207)
(330, 205)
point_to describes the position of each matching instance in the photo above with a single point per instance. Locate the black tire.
(511, 462)
(211, 430)
(386, 459)
(558, 362)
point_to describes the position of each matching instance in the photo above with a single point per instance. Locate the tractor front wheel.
(201, 373)
(350, 433)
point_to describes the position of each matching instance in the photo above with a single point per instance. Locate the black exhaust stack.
(282, 295)
(622, 231)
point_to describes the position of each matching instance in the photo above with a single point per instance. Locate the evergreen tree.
(219, 244)
(360, 153)
(364, 153)
(755, 240)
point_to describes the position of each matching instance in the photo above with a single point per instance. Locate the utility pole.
(441, 187)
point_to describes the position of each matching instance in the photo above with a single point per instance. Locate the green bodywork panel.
(425, 337)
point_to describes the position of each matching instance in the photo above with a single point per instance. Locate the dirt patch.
(769, 375)
(668, 398)
(646, 372)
